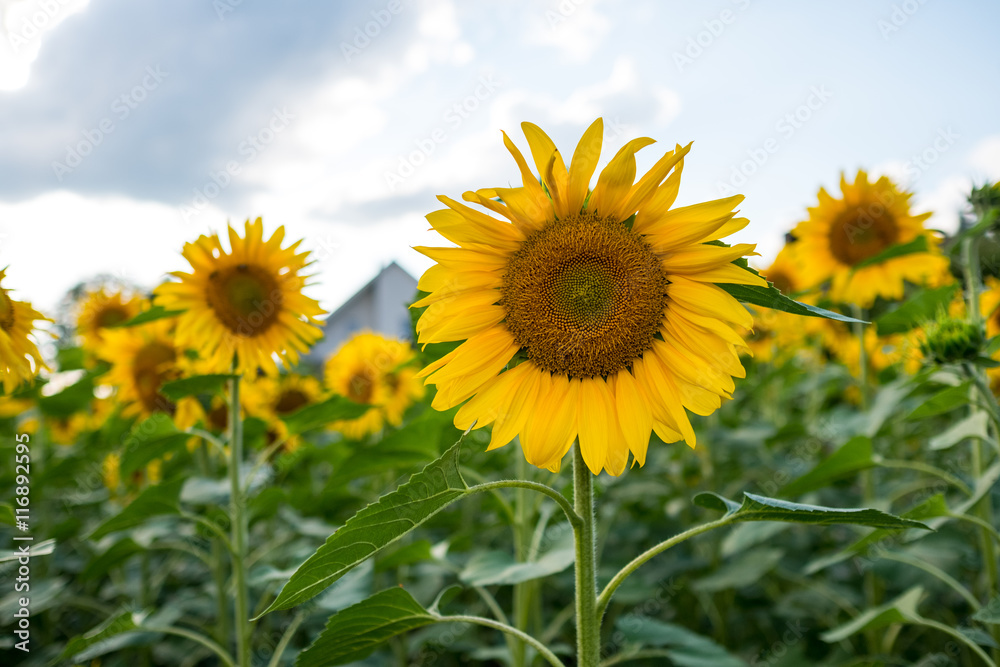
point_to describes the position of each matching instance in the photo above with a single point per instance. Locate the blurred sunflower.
(272, 399)
(377, 371)
(585, 313)
(246, 302)
(20, 360)
(142, 358)
(989, 306)
(99, 310)
(841, 234)
(111, 474)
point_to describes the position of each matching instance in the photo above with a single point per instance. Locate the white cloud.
(573, 27)
(24, 25)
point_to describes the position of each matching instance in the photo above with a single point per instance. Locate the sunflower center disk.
(246, 298)
(110, 316)
(6, 311)
(289, 401)
(862, 232)
(584, 296)
(360, 388)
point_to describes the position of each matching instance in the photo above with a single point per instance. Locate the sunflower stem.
(973, 274)
(239, 526)
(588, 622)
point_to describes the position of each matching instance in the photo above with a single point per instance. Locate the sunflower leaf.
(127, 621)
(901, 610)
(320, 414)
(919, 244)
(155, 500)
(353, 633)
(151, 315)
(193, 386)
(770, 297)
(375, 527)
(760, 508)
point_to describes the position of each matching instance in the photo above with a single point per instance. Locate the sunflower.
(99, 310)
(589, 314)
(246, 302)
(841, 234)
(20, 359)
(377, 371)
(989, 306)
(142, 358)
(272, 399)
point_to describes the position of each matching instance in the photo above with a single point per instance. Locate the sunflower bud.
(952, 340)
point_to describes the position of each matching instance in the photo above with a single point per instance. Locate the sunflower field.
(609, 440)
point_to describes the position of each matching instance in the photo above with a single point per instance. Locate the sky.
(130, 127)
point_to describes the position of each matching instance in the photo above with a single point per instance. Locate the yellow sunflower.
(377, 371)
(246, 302)
(272, 399)
(142, 358)
(100, 309)
(19, 356)
(585, 313)
(842, 233)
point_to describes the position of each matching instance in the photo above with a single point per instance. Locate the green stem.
(973, 282)
(937, 572)
(560, 499)
(496, 625)
(217, 559)
(195, 637)
(239, 526)
(929, 469)
(285, 639)
(641, 559)
(588, 619)
(960, 637)
(520, 596)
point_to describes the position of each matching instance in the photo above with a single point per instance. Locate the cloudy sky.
(130, 126)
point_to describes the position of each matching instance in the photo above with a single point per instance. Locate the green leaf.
(746, 569)
(491, 568)
(973, 426)
(933, 507)
(851, 457)
(150, 439)
(760, 508)
(919, 244)
(352, 634)
(685, 648)
(7, 514)
(125, 622)
(320, 414)
(155, 500)
(923, 306)
(990, 613)
(770, 297)
(194, 386)
(72, 399)
(375, 527)
(943, 401)
(901, 610)
(70, 358)
(116, 554)
(151, 315)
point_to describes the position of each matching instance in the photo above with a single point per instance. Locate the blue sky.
(128, 128)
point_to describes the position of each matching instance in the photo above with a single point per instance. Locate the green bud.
(950, 340)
